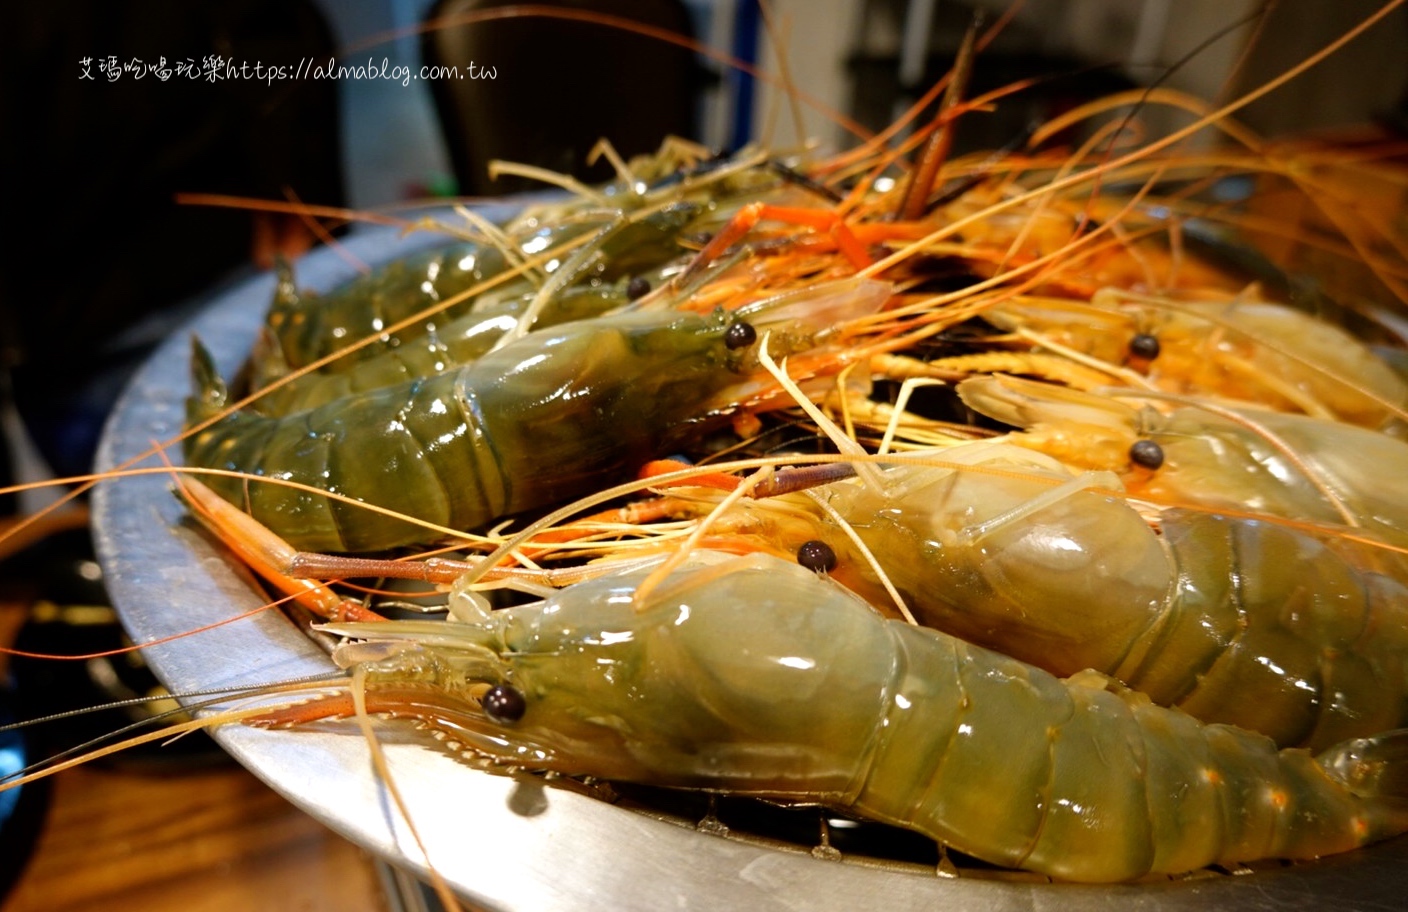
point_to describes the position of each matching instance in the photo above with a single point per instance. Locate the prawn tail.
(210, 395)
(1373, 768)
(285, 288)
(267, 363)
(287, 302)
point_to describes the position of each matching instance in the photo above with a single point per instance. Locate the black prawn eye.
(636, 288)
(1144, 346)
(504, 704)
(739, 335)
(817, 556)
(1146, 453)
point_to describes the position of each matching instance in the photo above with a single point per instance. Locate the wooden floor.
(211, 840)
(207, 841)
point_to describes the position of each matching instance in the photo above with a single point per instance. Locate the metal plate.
(505, 844)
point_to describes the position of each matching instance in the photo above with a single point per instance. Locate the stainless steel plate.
(503, 844)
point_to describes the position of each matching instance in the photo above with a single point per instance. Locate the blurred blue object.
(22, 810)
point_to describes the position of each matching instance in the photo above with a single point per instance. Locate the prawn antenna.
(364, 723)
(217, 696)
(869, 474)
(224, 692)
(1168, 71)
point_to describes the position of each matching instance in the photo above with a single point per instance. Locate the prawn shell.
(308, 326)
(536, 422)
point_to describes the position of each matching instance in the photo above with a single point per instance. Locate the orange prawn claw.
(267, 554)
(720, 480)
(821, 220)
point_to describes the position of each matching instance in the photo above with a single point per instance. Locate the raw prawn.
(754, 676)
(1218, 455)
(460, 341)
(544, 419)
(594, 280)
(1299, 634)
(637, 227)
(306, 326)
(1053, 744)
(1255, 351)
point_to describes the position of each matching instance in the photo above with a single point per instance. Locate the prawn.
(305, 327)
(1218, 456)
(543, 419)
(1007, 549)
(591, 283)
(1252, 350)
(754, 676)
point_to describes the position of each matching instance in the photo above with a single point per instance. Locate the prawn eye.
(817, 556)
(739, 335)
(1146, 453)
(637, 287)
(1144, 346)
(504, 704)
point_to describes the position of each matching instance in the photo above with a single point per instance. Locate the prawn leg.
(267, 554)
(750, 215)
(851, 240)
